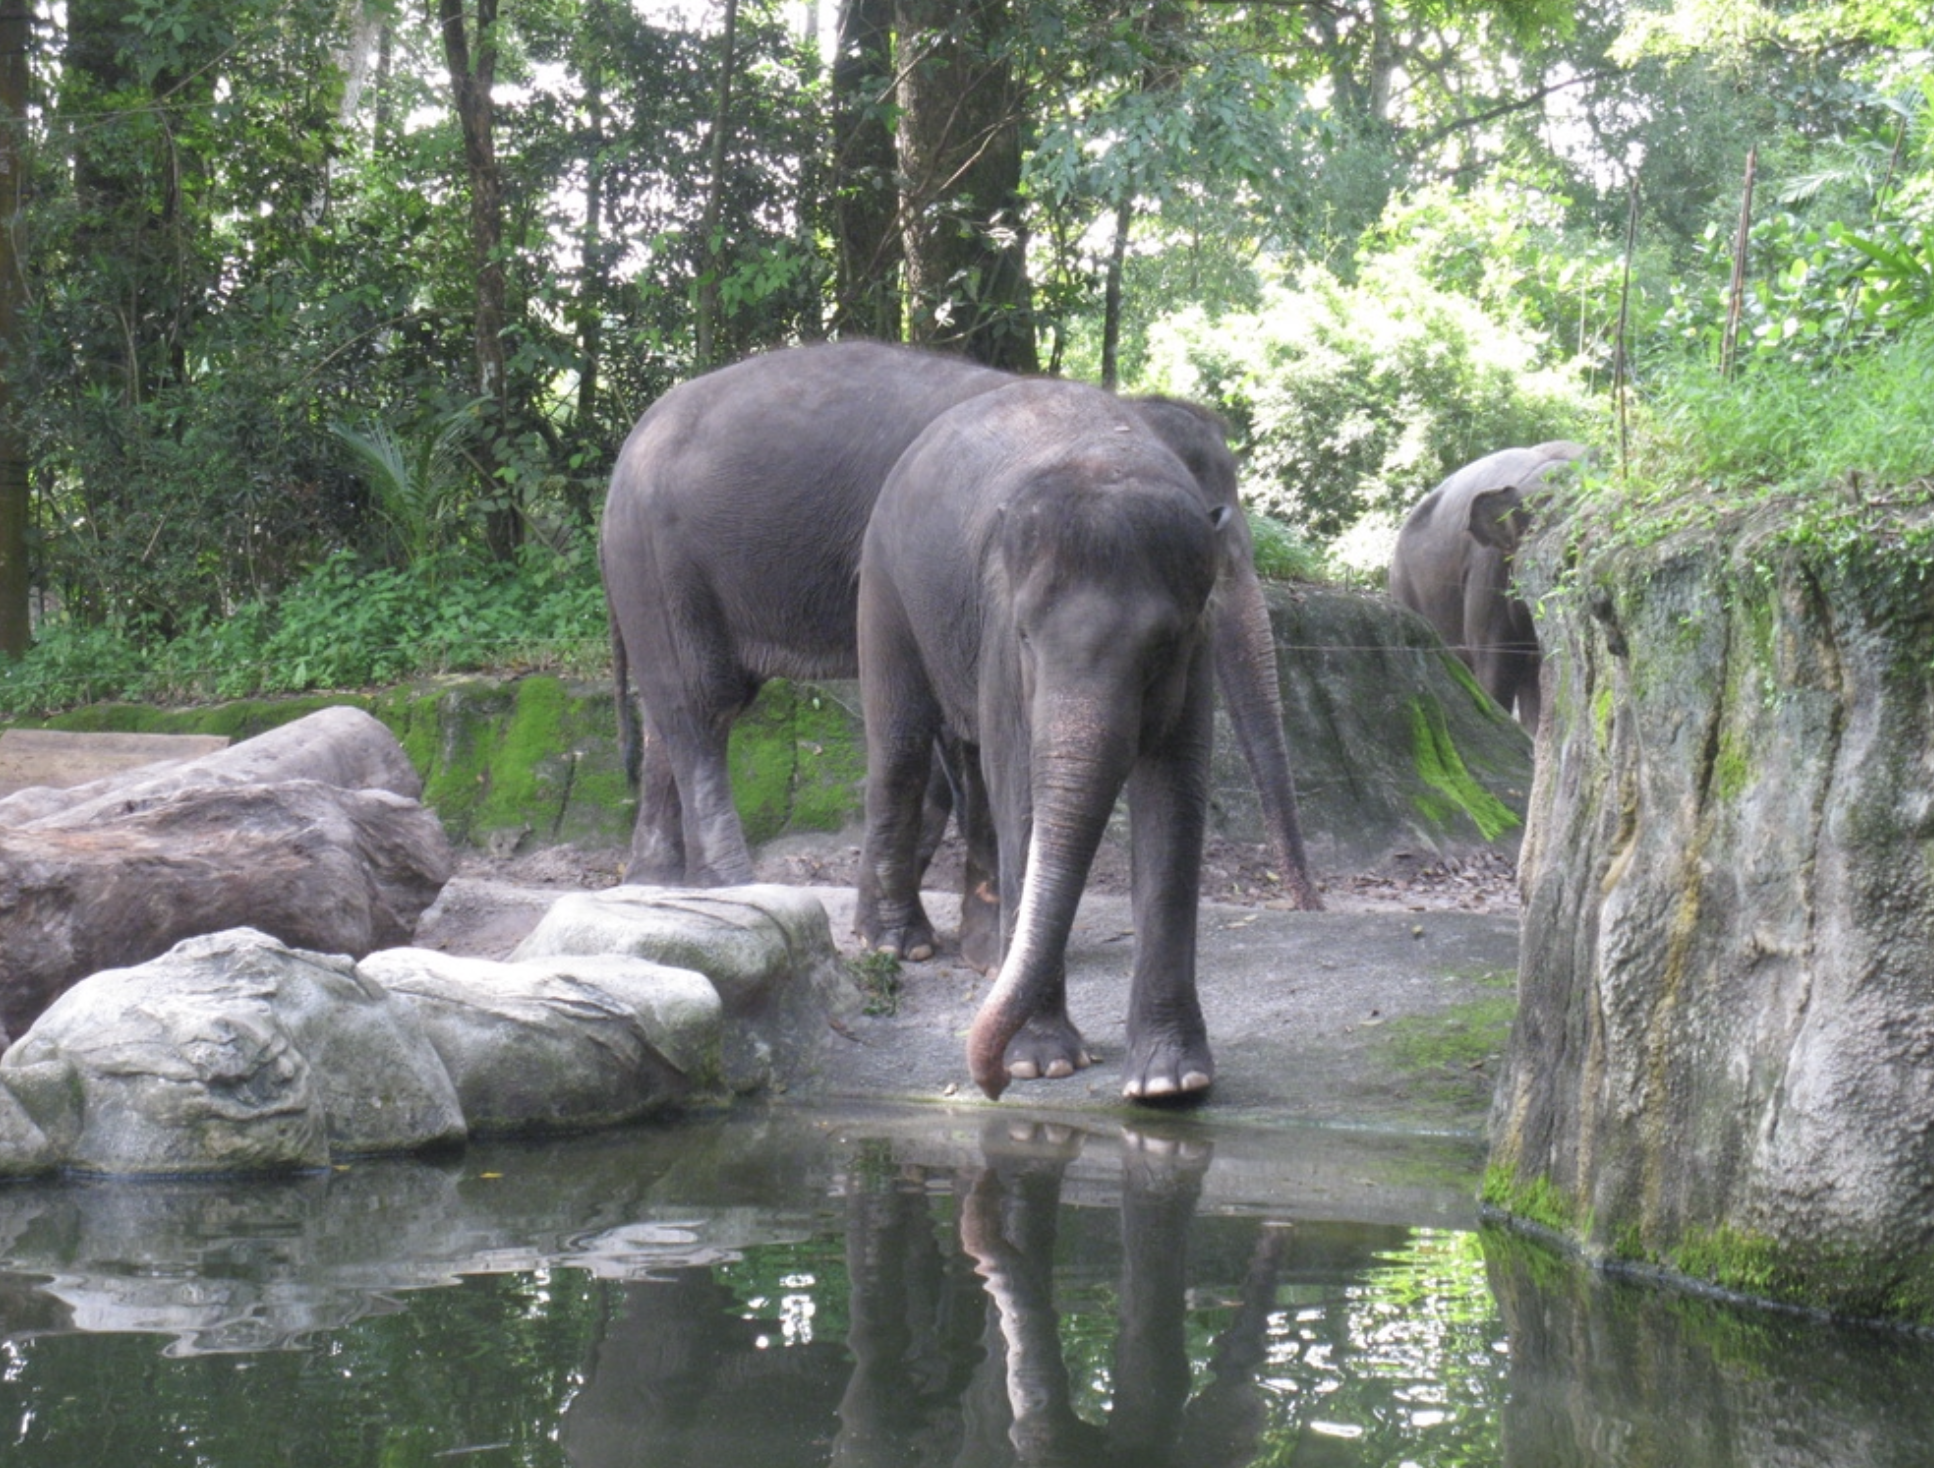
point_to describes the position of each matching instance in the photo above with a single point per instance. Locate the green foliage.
(1538, 1201)
(345, 625)
(877, 973)
(1780, 424)
(1352, 401)
(1282, 554)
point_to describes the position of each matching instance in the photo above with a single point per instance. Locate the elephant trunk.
(1075, 784)
(1245, 648)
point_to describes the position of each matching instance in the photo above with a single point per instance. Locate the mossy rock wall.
(1723, 1063)
(1396, 751)
(531, 761)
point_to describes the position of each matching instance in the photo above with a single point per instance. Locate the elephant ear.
(1499, 518)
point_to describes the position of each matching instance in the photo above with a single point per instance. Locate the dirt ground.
(1333, 1018)
(1234, 874)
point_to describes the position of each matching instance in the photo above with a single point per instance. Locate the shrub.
(1352, 401)
(344, 625)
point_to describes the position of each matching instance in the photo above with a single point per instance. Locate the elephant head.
(1454, 563)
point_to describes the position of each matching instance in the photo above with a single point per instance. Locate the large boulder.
(559, 1044)
(1397, 753)
(264, 834)
(768, 950)
(229, 1053)
(1723, 1063)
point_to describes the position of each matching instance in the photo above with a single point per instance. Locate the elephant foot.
(980, 928)
(912, 939)
(1303, 893)
(1048, 1047)
(1167, 1071)
(655, 861)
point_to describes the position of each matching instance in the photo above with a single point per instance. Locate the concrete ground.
(1387, 1021)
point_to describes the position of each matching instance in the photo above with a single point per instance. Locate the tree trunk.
(592, 275)
(1111, 297)
(16, 30)
(866, 216)
(710, 246)
(473, 68)
(960, 155)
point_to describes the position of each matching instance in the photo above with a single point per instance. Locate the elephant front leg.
(1048, 1046)
(901, 724)
(1168, 1041)
(980, 901)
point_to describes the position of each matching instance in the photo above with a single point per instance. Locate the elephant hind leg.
(658, 836)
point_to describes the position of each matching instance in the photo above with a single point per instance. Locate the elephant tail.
(631, 744)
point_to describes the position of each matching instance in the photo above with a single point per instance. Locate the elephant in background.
(730, 551)
(1035, 584)
(1453, 564)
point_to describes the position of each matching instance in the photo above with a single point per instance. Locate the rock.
(344, 747)
(482, 917)
(1397, 753)
(230, 1053)
(768, 950)
(563, 1043)
(54, 759)
(24, 1148)
(258, 835)
(1723, 1062)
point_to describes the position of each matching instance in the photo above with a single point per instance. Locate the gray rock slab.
(231, 1052)
(767, 949)
(561, 1043)
(58, 759)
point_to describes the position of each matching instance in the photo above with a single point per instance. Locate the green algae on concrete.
(798, 760)
(1450, 790)
(535, 759)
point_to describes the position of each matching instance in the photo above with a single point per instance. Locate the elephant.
(1453, 564)
(1036, 583)
(730, 550)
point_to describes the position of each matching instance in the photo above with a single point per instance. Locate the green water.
(890, 1289)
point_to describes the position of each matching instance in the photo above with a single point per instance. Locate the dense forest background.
(321, 321)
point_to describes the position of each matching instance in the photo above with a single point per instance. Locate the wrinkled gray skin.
(730, 551)
(1452, 563)
(1035, 584)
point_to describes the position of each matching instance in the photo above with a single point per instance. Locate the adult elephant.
(730, 551)
(1453, 564)
(1035, 583)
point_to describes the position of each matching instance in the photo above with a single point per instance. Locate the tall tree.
(866, 201)
(711, 244)
(470, 54)
(16, 33)
(960, 158)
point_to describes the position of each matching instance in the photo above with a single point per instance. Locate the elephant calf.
(1035, 586)
(1453, 564)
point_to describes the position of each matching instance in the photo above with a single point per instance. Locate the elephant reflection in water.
(952, 1355)
(1007, 1226)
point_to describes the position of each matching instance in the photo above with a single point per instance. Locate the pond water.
(897, 1288)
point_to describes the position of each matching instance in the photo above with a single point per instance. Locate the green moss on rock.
(1537, 1200)
(1451, 791)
